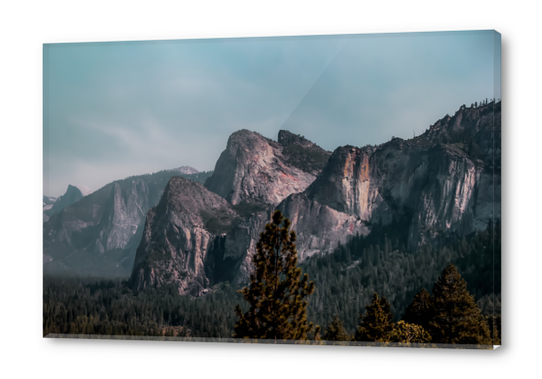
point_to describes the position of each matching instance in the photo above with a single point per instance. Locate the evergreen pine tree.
(456, 317)
(419, 311)
(377, 324)
(277, 291)
(335, 331)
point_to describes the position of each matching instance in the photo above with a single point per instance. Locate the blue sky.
(117, 109)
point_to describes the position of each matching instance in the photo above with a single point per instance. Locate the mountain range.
(98, 234)
(195, 230)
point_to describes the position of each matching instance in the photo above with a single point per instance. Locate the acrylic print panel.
(315, 190)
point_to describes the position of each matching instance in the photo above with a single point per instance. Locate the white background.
(25, 26)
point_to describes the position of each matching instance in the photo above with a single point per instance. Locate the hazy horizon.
(117, 109)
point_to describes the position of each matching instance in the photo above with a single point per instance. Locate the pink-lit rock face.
(254, 169)
(443, 186)
(179, 236)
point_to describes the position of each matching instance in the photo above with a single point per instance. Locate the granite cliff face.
(254, 169)
(319, 228)
(252, 175)
(178, 243)
(240, 245)
(98, 235)
(360, 187)
(447, 181)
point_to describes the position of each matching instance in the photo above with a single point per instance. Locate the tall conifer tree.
(335, 331)
(277, 290)
(377, 324)
(420, 310)
(456, 317)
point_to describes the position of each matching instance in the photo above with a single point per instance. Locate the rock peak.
(287, 138)
(179, 238)
(254, 169)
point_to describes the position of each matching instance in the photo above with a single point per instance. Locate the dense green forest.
(90, 306)
(346, 280)
(345, 283)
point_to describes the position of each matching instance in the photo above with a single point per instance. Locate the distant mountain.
(99, 234)
(53, 205)
(48, 200)
(186, 170)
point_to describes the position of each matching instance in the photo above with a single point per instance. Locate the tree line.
(104, 307)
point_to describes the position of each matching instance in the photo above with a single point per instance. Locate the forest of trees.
(90, 306)
(347, 279)
(449, 316)
(370, 278)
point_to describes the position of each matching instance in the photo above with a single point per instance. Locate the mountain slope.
(99, 234)
(446, 181)
(302, 153)
(48, 202)
(253, 174)
(253, 169)
(71, 196)
(178, 244)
